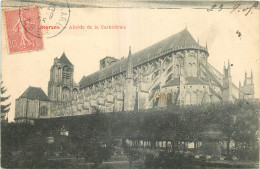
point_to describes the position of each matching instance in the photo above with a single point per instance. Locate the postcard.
(130, 84)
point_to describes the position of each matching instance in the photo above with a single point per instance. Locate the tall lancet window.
(194, 70)
(65, 94)
(189, 69)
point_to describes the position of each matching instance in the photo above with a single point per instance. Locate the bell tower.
(61, 80)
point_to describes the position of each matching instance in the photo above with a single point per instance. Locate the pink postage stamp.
(23, 29)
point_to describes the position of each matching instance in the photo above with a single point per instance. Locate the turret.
(227, 83)
(248, 88)
(229, 69)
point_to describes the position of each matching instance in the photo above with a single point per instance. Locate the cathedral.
(172, 72)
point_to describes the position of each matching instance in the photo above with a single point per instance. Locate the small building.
(32, 104)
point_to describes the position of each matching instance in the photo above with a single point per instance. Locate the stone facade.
(172, 72)
(32, 104)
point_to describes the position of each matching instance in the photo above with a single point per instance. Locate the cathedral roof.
(188, 81)
(35, 93)
(177, 41)
(65, 60)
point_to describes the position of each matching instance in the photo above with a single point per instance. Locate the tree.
(132, 155)
(92, 138)
(5, 108)
(14, 137)
(34, 149)
(246, 131)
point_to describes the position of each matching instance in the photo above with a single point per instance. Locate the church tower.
(227, 83)
(61, 80)
(129, 88)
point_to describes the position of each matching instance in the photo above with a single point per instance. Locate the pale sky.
(84, 48)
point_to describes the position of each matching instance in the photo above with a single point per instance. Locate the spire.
(229, 69)
(239, 84)
(129, 100)
(130, 53)
(129, 71)
(245, 82)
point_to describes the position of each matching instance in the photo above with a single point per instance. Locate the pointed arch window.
(194, 70)
(189, 69)
(65, 94)
(75, 94)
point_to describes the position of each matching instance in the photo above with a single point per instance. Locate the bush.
(167, 161)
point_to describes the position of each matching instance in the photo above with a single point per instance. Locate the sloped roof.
(35, 93)
(173, 82)
(194, 81)
(188, 81)
(65, 60)
(177, 41)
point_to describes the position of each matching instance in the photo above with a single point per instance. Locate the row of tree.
(94, 136)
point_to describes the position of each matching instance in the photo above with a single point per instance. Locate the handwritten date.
(237, 7)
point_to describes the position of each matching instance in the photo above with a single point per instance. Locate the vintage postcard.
(130, 84)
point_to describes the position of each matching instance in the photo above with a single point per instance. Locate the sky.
(144, 27)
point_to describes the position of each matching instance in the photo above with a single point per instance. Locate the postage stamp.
(18, 22)
(54, 18)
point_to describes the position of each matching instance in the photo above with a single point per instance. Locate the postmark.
(54, 17)
(19, 40)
